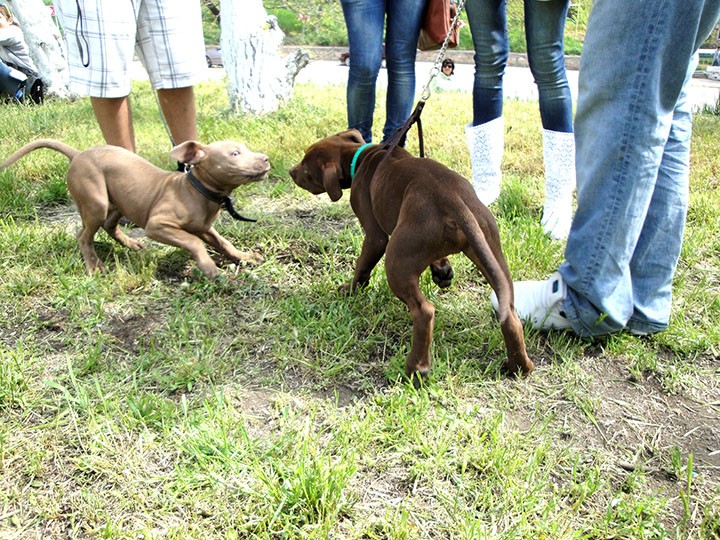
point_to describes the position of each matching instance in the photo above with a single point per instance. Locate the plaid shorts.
(103, 35)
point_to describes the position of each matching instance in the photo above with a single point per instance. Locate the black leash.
(223, 200)
(400, 134)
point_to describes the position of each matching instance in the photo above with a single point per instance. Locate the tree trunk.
(259, 79)
(45, 44)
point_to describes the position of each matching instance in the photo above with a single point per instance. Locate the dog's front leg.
(220, 243)
(372, 251)
(180, 238)
(442, 272)
(112, 228)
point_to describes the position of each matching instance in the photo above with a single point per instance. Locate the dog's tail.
(485, 252)
(58, 146)
(492, 262)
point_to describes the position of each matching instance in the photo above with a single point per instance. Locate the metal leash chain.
(435, 70)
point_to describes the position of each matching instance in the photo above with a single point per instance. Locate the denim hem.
(585, 320)
(644, 327)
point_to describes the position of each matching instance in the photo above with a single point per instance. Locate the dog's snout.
(265, 161)
(294, 172)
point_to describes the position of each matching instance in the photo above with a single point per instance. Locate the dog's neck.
(351, 164)
(355, 158)
(223, 200)
(210, 195)
(207, 181)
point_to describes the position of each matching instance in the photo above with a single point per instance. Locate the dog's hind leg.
(404, 262)
(89, 191)
(91, 223)
(498, 276)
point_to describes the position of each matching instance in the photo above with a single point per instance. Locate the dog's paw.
(251, 257)
(442, 273)
(94, 266)
(135, 244)
(419, 379)
(345, 289)
(221, 279)
(520, 367)
(210, 272)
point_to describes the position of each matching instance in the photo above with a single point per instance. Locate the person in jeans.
(101, 37)
(632, 129)
(365, 20)
(544, 31)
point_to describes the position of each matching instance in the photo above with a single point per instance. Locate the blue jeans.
(9, 85)
(544, 28)
(365, 20)
(632, 133)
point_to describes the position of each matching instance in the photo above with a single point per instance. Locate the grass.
(149, 402)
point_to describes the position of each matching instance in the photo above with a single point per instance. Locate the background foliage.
(320, 22)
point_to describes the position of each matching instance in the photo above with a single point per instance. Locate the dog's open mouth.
(256, 176)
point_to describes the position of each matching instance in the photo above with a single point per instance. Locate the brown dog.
(108, 182)
(416, 211)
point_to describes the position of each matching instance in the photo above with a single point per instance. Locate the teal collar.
(353, 163)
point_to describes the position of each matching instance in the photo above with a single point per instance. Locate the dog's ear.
(190, 152)
(352, 135)
(332, 174)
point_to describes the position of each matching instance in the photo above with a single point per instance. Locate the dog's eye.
(235, 153)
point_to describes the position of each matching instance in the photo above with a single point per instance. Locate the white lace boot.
(486, 143)
(559, 158)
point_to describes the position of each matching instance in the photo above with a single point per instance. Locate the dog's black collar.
(218, 198)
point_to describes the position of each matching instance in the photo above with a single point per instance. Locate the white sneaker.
(539, 303)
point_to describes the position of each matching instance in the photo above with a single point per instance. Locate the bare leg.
(178, 108)
(114, 116)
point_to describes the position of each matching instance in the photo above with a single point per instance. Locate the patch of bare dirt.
(642, 416)
(637, 425)
(130, 329)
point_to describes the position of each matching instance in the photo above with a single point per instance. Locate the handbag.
(437, 22)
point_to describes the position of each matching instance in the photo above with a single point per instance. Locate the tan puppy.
(108, 182)
(415, 211)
